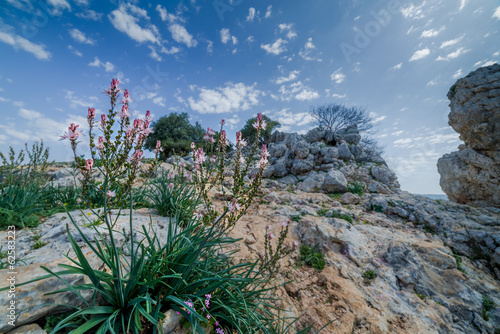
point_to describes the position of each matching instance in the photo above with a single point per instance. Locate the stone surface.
(349, 198)
(472, 174)
(335, 182)
(28, 329)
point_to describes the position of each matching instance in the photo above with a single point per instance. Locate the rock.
(277, 150)
(280, 168)
(472, 175)
(329, 154)
(65, 172)
(350, 135)
(315, 135)
(384, 175)
(171, 324)
(344, 152)
(377, 187)
(349, 198)
(28, 329)
(302, 166)
(289, 179)
(469, 177)
(313, 183)
(334, 182)
(301, 149)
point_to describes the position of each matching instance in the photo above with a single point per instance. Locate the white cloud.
(108, 67)
(268, 11)
(230, 98)
(457, 74)
(420, 54)
(154, 54)
(29, 114)
(451, 42)
(159, 101)
(276, 48)
(181, 35)
(210, 47)
(292, 76)
(165, 15)
(483, 63)
(453, 55)
(433, 82)
(414, 12)
(398, 66)
(496, 14)
(59, 6)
(306, 95)
(89, 14)
(125, 19)
(307, 51)
(462, 4)
(80, 37)
(75, 51)
(338, 76)
(225, 36)
(18, 42)
(233, 122)
(397, 133)
(288, 118)
(431, 33)
(290, 32)
(79, 102)
(251, 14)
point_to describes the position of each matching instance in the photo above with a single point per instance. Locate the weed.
(356, 188)
(419, 295)
(369, 276)
(296, 218)
(458, 260)
(322, 212)
(39, 244)
(312, 256)
(488, 305)
(336, 214)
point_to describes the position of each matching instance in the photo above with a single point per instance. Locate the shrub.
(369, 276)
(249, 132)
(21, 200)
(175, 134)
(312, 256)
(356, 188)
(488, 305)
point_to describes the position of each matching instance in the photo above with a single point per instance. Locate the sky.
(232, 59)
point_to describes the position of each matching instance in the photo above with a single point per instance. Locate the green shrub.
(337, 214)
(488, 305)
(369, 276)
(312, 256)
(356, 188)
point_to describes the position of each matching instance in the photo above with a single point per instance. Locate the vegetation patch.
(312, 257)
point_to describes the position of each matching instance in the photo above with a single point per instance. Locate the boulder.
(349, 198)
(344, 152)
(301, 149)
(277, 150)
(334, 182)
(302, 166)
(315, 135)
(472, 175)
(329, 154)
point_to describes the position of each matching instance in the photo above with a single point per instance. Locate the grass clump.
(312, 256)
(337, 214)
(488, 305)
(356, 188)
(369, 276)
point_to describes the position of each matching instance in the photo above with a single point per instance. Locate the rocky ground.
(434, 260)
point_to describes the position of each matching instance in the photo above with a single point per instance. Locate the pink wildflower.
(91, 115)
(103, 121)
(170, 186)
(223, 122)
(88, 164)
(284, 224)
(100, 143)
(126, 96)
(124, 112)
(72, 133)
(114, 83)
(111, 193)
(193, 146)
(270, 235)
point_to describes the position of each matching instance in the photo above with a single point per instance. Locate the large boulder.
(335, 182)
(472, 175)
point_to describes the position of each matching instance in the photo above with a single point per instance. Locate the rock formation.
(472, 174)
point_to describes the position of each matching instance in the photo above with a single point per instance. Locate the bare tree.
(334, 116)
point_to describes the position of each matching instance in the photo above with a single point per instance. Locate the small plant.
(488, 305)
(322, 212)
(296, 218)
(39, 244)
(356, 188)
(419, 295)
(312, 256)
(369, 276)
(376, 208)
(337, 214)
(458, 260)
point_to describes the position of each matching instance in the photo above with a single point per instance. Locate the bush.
(312, 256)
(21, 199)
(175, 134)
(249, 132)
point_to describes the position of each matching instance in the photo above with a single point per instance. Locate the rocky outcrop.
(472, 174)
(326, 161)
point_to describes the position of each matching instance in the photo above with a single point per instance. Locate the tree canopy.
(248, 132)
(334, 117)
(175, 133)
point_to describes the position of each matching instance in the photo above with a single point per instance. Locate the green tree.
(248, 132)
(175, 134)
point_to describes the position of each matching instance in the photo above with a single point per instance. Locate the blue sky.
(234, 58)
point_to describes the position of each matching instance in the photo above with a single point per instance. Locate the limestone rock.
(349, 198)
(344, 152)
(472, 175)
(334, 182)
(28, 329)
(315, 135)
